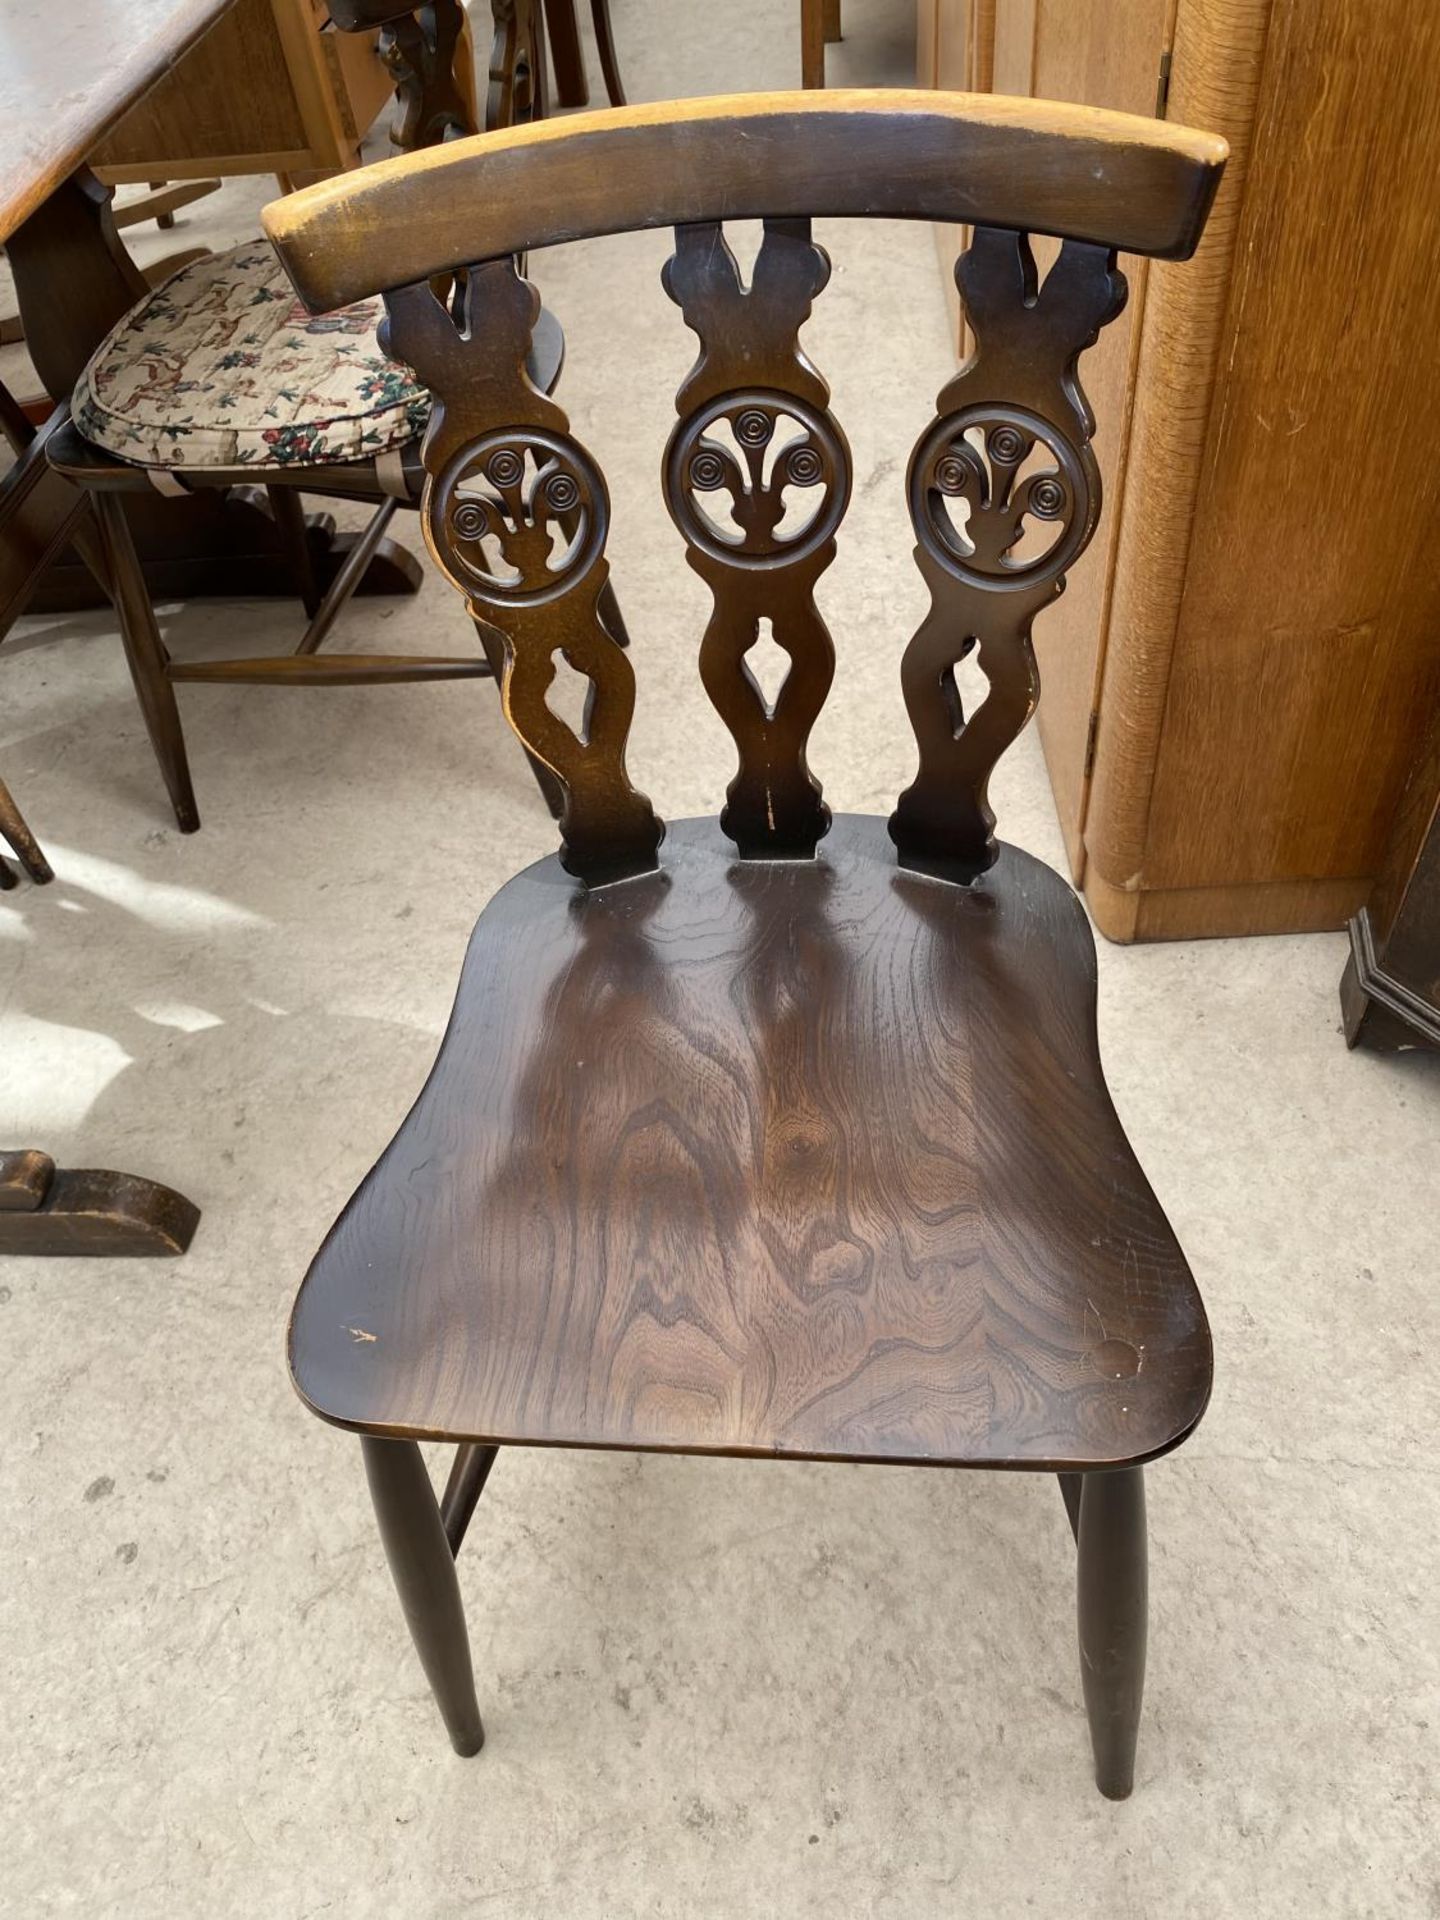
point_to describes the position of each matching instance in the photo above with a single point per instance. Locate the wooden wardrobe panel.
(1108, 56)
(1217, 56)
(1308, 650)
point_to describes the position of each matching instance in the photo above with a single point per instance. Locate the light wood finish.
(266, 91)
(1236, 691)
(68, 72)
(1055, 50)
(1069, 171)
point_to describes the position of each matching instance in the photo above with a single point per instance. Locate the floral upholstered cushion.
(222, 366)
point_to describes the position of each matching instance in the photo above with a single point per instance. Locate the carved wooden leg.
(27, 847)
(833, 29)
(812, 43)
(145, 653)
(424, 1572)
(1112, 1609)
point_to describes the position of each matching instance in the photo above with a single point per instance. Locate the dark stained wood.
(806, 1153)
(796, 1158)
(605, 47)
(24, 1180)
(424, 1570)
(1390, 990)
(1107, 178)
(1112, 1591)
(562, 30)
(755, 430)
(1016, 399)
(68, 72)
(89, 1211)
(505, 477)
(469, 1471)
(14, 829)
(147, 660)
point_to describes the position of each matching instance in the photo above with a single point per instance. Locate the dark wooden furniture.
(420, 47)
(89, 1211)
(783, 1136)
(819, 23)
(1390, 990)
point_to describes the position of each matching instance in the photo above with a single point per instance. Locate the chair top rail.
(1112, 179)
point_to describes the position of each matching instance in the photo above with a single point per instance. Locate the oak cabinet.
(1238, 679)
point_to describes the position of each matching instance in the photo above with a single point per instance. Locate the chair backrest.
(1003, 488)
(420, 43)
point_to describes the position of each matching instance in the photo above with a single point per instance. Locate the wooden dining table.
(68, 72)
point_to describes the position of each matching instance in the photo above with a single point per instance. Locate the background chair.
(819, 23)
(219, 379)
(787, 1137)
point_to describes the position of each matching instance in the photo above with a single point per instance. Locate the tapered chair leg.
(145, 653)
(423, 1568)
(27, 847)
(1113, 1592)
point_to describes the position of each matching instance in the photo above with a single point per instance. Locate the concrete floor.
(711, 1688)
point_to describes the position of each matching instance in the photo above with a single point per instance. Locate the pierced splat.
(1004, 495)
(516, 514)
(418, 49)
(757, 479)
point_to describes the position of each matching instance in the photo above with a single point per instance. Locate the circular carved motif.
(754, 448)
(974, 489)
(519, 516)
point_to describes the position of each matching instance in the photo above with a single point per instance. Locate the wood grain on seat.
(797, 1157)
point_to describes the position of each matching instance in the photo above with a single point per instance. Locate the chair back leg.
(1113, 1595)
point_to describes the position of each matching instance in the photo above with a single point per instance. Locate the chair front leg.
(1113, 1592)
(423, 1568)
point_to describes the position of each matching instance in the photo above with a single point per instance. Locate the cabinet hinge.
(1162, 86)
(1090, 743)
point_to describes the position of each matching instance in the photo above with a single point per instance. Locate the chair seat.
(222, 366)
(808, 1158)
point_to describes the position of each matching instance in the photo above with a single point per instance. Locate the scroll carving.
(418, 50)
(516, 514)
(757, 479)
(1004, 495)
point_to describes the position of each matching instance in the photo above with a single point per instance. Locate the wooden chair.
(265, 416)
(786, 1136)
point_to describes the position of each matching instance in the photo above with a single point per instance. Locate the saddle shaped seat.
(795, 1157)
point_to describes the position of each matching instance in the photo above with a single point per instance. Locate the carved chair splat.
(786, 1136)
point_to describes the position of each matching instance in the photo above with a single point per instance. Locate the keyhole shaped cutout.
(568, 697)
(768, 666)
